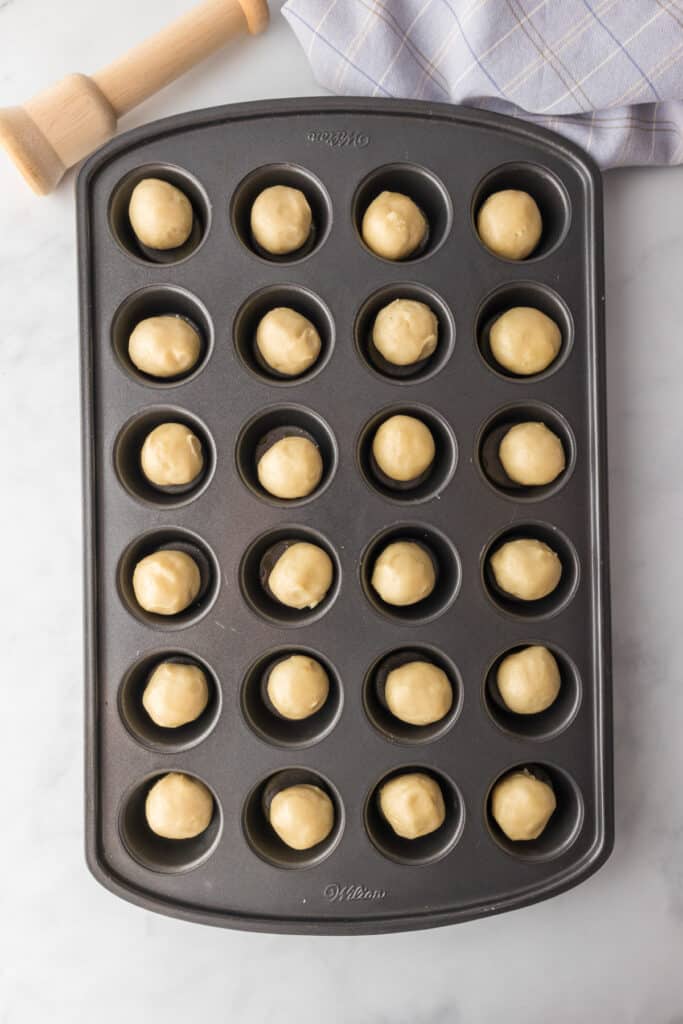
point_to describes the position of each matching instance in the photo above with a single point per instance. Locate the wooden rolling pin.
(66, 122)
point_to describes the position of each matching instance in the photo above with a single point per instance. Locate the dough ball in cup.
(160, 214)
(281, 220)
(522, 805)
(405, 332)
(529, 680)
(178, 807)
(166, 582)
(531, 454)
(525, 341)
(172, 456)
(164, 346)
(302, 816)
(393, 226)
(287, 341)
(404, 574)
(176, 694)
(510, 224)
(301, 576)
(418, 693)
(403, 448)
(290, 468)
(297, 687)
(526, 569)
(412, 804)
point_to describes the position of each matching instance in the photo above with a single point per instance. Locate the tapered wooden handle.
(147, 68)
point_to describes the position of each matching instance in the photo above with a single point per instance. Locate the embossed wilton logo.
(341, 139)
(336, 893)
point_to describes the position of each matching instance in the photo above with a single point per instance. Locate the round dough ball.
(164, 346)
(393, 226)
(524, 340)
(301, 576)
(171, 455)
(287, 341)
(529, 680)
(404, 574)
(403, 448)
(412, 804)
(291, 468)
(178, 807)
(526, 568)
(510, 224)
(418, 693)
(531, 454)
(298, 687)
(522, 805)
(281, 219)
(302, 816)
(405, 331)
(166, 582)
(175, 694)
(160, 214)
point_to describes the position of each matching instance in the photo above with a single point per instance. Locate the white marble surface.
(70, 952)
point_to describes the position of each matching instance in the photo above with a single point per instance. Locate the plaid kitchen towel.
(607, 74)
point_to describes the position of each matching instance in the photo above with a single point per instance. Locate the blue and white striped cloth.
(607, 74)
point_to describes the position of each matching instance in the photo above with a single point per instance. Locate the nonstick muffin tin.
(363, 878)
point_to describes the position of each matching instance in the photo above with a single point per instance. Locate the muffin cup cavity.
(494, 430)
(544, 725)
(427, 849)
(174, 539)
(167, 856)
(373, 358)
(544, 187)
(444, 558)
(563, 827)
(294, 177)
(267, 722)
(258, 562)
(139, 723)
(122, 230)
(260, 834)
(153, 301)
(429, 484)
(420, 185)
(554, 602)
(265, 429)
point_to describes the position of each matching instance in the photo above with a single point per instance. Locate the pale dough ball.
(164, 346)
(403, 448)
(175, 694)
(281, 219)
(522, 805)
(160, 214)
(526, 568)
(405, 332)
(302, 816)
(404, 574)
(509, 224)
(171, 455)
(529, 680)
(418, 693)
(393, 226)
(301, 576)
(178, 807)
(524, 340)
(412, 804)
(166, 582)
(287, 341)
(298, 686)
(291, 468)
(531, 454)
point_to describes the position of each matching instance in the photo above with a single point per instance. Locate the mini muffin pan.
(362, 878)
